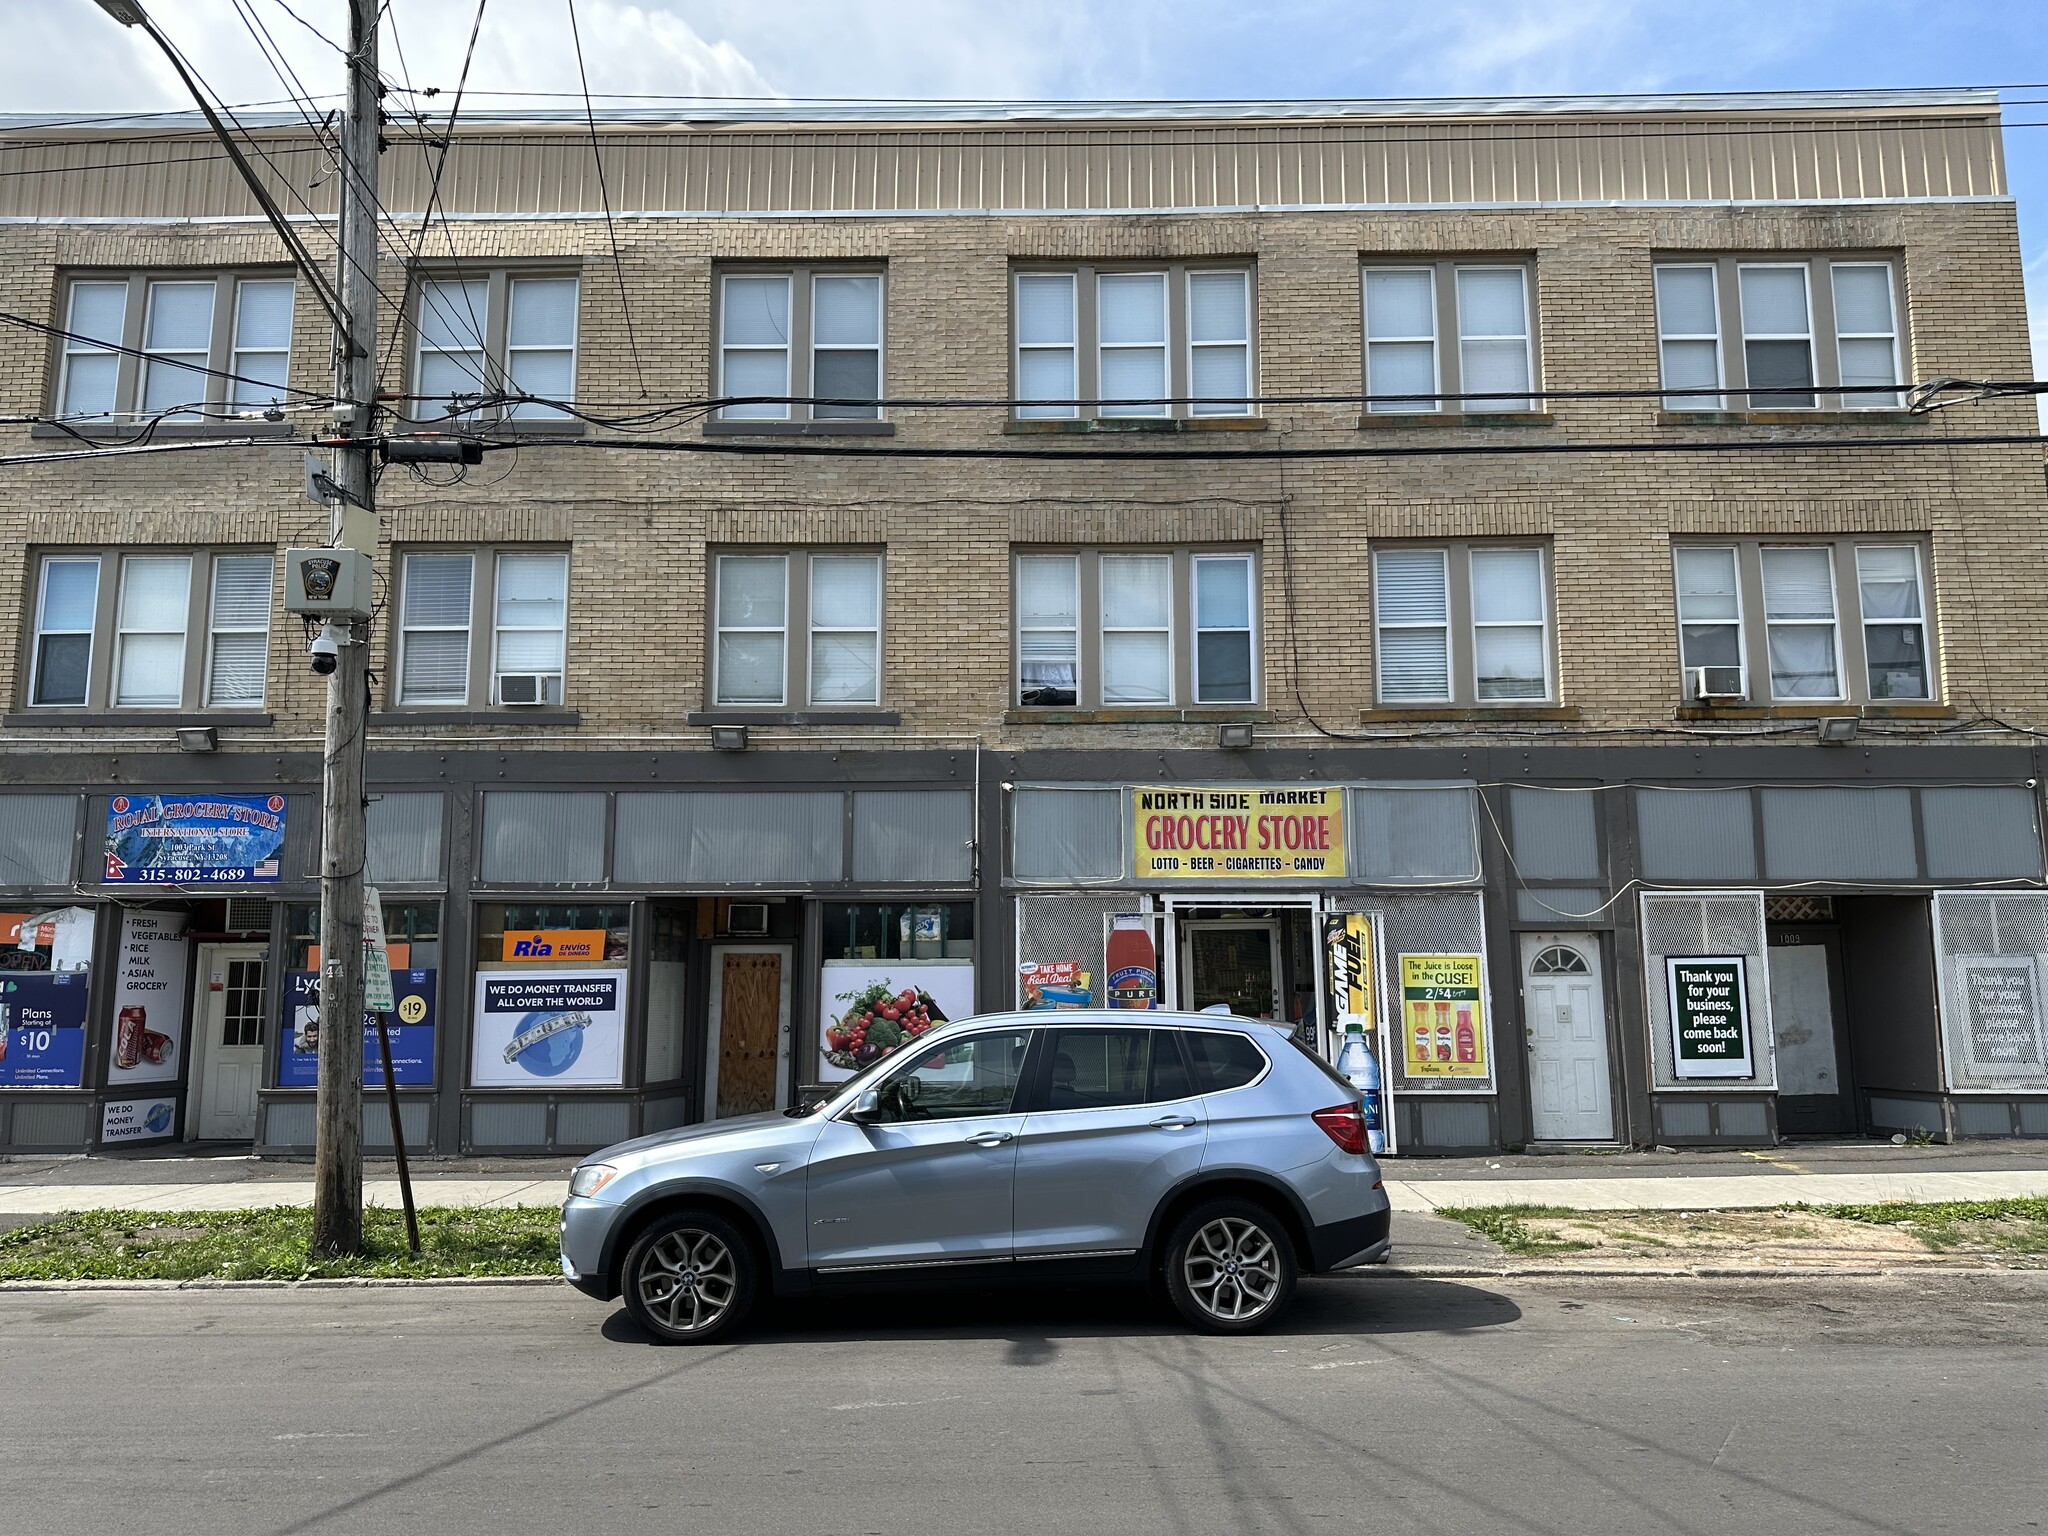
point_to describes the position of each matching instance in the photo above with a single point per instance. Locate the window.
(480, 335)
(1783, 334)
(148, 345)
(1221, 1061)
(1146, 343)
(971, 1077)
(1792, 605)
(524, 596)
(807, 333)
(1128, 629)
(1484, 304)
(835, 660)
(1461, 624)
(124, 643)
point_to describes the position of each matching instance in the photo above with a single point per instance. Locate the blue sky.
(65, 54)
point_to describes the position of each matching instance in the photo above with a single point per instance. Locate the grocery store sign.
(1236, 834)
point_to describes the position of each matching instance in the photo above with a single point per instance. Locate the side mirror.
(866, 1108)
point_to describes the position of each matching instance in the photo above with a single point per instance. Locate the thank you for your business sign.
(1710, 1036)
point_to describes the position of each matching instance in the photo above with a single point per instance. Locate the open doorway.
(1257, 959)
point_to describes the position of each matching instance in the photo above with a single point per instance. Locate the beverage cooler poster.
(149, 998)
(873, 1006)
(549, 1029)
(1443, 1017)
(410, 1027)
(42, 1029)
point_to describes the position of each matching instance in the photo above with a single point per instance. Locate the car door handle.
(989, 1138)
(1173, 1122)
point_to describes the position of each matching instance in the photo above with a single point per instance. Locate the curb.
(321, 1283)
(1674, 1272)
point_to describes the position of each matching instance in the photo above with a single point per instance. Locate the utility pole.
(338, 1136)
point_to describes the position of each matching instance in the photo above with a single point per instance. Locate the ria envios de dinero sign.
(1258, 833)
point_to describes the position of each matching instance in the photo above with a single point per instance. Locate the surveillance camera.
(325, 651)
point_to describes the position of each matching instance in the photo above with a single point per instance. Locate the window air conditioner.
(1713, 685)
(527, 687)
(747, 917)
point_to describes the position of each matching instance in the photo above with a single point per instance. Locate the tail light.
(1344, 1124)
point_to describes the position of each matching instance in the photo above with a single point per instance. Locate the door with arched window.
(1564, 1016)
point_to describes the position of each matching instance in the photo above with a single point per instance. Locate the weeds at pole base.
(276, 1244)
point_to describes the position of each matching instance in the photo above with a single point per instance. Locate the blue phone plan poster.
(42, 1029)
(410, 1026)
(194, 839)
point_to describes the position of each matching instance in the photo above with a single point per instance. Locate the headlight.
(590, 1178)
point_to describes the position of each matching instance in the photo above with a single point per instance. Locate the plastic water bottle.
(1356, 1065)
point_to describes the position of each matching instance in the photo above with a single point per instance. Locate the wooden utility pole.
(338, 1136)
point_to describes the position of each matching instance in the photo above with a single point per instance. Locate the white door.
(1565, 1014)
(230, 1033)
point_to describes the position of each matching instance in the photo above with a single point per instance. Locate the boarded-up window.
(1556, 833)
(1839, 834)
(403, 833)
(1424, 835)
(1686, 834)
(1983, 833)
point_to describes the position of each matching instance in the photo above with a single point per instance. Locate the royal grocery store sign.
(1256, 833)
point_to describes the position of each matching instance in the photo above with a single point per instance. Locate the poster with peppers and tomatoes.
(873, 1007)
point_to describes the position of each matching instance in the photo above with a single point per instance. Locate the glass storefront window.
(551, 995)
(561, 935)
(915, 930)
(412, 934)
(669, 931)
(412, 938)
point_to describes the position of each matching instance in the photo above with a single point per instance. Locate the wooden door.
(749, 1029)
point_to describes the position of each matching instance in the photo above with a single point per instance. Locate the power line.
(610, 229)
(114, 346)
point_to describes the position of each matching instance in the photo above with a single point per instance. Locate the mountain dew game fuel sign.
(1236, 834)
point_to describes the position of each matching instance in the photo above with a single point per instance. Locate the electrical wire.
(610, 229)
(60, 333)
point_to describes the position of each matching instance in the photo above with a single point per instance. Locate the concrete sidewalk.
(1851, 1173)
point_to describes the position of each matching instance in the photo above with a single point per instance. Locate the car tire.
(690, 1278)
(1229, 1266)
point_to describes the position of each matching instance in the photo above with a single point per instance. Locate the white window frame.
(500, 629)
(1406, 407)
(76, 348)
(1753, 400)
(237, 352)
(1196, 405)
(122, 631)
(812, 629)
(526, 410)
(1518, 403)
(1871, 402)
(467, 629)
(428, 408)
(201, 374)
(1740, 621)
(1104, 629)
(880, 348)
(1119, 411)
(41, 629)
(1866, 622)
(1196, 628)
(215, 629)
(1542, 625)
(1073, 562)
(1047, 410)
(1833, 625)
(758, 412)
(1718, 400)
(719, 629)
(1381, 625)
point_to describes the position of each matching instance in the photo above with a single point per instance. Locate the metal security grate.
(1436, 925)
(1051, 928)
(1730, 924)
(1992, 956)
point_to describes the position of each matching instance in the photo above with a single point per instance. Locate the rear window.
(1221, 1061)
(1322, 1066)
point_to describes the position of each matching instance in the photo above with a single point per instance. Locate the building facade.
(965, 557)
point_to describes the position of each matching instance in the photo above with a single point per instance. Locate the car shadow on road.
(1033, 1321)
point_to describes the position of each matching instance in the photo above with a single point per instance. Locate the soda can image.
(128, 1031)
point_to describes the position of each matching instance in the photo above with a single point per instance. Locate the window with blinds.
(834, 601)
(238, 631)
(150, 622)
(800, 345)
(531, 622)
(1448, 334)
(187, 350)
(433, 640)
(1847, 620)
(481, 627)
(1462, 624)
(1132, 342)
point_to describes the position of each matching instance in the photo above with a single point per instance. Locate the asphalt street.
(1385, 1403)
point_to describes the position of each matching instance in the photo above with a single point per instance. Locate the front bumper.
(586, 1224)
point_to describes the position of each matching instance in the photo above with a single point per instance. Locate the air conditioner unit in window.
(529, 687)
(1714, 685)
(747, 917)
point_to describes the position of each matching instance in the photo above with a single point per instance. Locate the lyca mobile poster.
(409, 1026)
(193, 839)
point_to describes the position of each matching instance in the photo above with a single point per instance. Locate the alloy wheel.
(688, 1280)
(1232, 1269)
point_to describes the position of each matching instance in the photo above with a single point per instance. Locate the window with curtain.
(486, 331)
(187, 349)
(1487, 307)
(149, 631)
(1137, 629)
(1048, 629)
(1894, 620)
(1462, 624)
(262, 342)
(1154, 342)
(807, 333)
(531, 628)
(1799, 617)
(1866, 334)
(1710, 621)
(1510, 646)
(834, 657)
(1412, 617)
(433, 638)
(1689, 337)
(1777, 336)
(238, 631)
(65, 609)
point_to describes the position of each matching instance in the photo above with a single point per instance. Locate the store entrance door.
(228, 1063)
(1809, 1027)
(1231, 961)
(748, 1049)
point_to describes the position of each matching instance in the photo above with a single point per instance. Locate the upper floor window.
(1462, 624)
(807, 333)
(1793, 333)
(1826, 622)
(1413, 314)
(519, 597)
(835, 658)
(480, 335)
(183, 348)
(1134, 339)
(1114, 629)
(151, 630)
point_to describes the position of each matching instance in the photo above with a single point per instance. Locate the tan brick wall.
(639, 522)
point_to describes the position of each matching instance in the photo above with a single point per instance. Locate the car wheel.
(690, 1278)
(1229, 1266)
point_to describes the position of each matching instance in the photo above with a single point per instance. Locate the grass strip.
(1508, 1226)
(274, 1244)
(2012, 1226)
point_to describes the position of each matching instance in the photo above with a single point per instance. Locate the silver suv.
(1207, 1153)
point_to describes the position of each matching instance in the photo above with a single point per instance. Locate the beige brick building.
(1540, 481)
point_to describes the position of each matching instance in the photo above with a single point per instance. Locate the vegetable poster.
(872, 1007)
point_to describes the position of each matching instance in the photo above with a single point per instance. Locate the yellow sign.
(554, 944)
(1443, 1016)
(1238, 834)
(1347, 944)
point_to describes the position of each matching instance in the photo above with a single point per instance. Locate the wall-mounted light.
(1234, 738)
(729, 738)
(198, 738)
(1837, 730)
